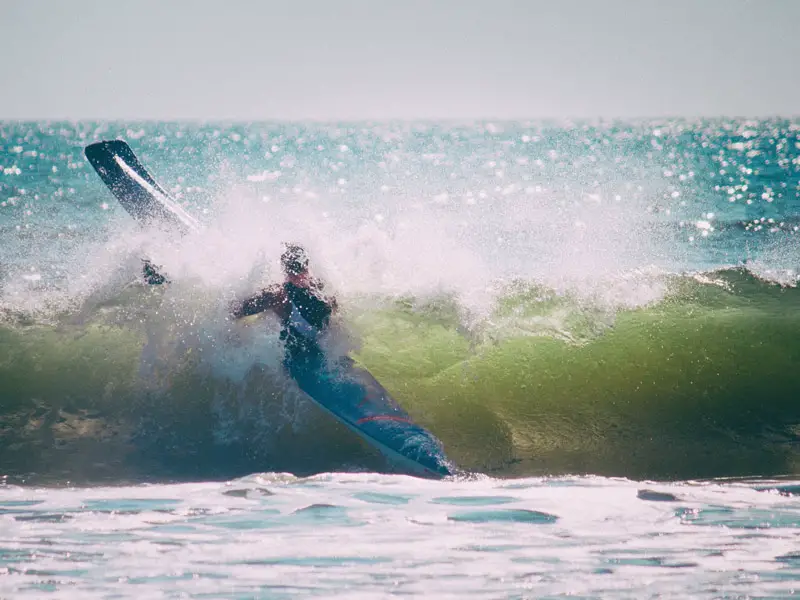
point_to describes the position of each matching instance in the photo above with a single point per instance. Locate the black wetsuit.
(301, 348)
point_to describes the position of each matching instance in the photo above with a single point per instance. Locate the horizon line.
(403, 119)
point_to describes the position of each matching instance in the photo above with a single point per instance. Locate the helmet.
(294, 259)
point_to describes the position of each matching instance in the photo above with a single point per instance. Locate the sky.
(398, 59)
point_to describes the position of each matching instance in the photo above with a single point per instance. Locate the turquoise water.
(598, 320)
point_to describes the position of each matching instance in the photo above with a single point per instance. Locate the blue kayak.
(352, 395)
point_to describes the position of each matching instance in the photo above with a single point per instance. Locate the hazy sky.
(329, 59)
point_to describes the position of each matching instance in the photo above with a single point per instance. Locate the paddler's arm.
(269, 298)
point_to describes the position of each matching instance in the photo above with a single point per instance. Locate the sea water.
(598, 319)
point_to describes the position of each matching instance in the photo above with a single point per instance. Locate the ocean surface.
(599, 320)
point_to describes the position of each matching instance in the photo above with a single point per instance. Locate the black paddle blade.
(135, 188)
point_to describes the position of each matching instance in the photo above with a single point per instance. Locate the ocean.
(598, 319)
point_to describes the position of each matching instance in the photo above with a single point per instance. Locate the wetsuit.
(304, 313)
(308, 307)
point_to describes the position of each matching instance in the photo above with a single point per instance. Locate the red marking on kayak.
(384, 418)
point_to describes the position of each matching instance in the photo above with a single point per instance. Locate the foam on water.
(377, 536)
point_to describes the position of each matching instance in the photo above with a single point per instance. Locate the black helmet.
(294, 259)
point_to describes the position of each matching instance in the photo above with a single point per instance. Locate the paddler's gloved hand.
(151, 274)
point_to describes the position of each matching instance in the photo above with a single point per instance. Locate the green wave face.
(92, 403)
(702, 384)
